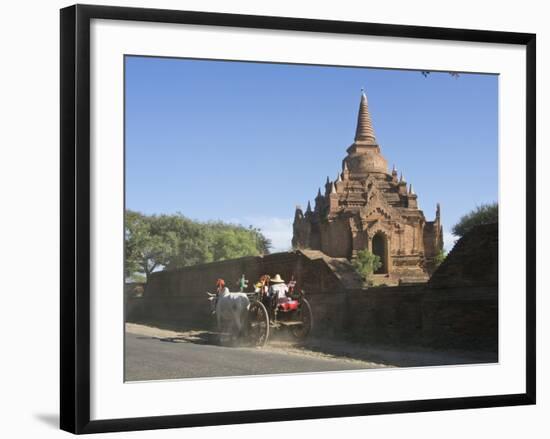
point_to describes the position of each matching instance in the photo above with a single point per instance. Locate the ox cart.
(266, 315)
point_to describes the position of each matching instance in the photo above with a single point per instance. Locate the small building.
(369, 207)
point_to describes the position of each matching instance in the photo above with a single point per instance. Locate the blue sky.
(247, 142)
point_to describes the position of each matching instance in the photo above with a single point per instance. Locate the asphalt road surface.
(155, 358)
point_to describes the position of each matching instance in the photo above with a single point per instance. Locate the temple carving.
(368, 207)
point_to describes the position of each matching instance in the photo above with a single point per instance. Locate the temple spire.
(364, 132)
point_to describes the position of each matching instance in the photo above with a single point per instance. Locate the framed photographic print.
(274, 218)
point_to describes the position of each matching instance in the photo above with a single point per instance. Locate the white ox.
(231, 311)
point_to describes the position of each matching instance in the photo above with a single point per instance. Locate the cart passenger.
(243, 283)
(278, 289)
(291, 286)
(262, 286)
(221, 289)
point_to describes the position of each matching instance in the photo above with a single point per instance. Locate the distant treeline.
(482, 214)
(154, 242)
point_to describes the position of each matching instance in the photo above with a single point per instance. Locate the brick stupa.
(369, 207)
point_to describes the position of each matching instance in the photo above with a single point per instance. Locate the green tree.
(263, 244)
(150, 243)
(440, 257)
(194, 243)
(169, 242)
(484, 214)
(231, 241)
(138, 278)
(366, 263)
(216, 241)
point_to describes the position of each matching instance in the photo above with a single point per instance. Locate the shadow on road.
(201, 337)
(197, 337)
(395, 356)
(330, 347)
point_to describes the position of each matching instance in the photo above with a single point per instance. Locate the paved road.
(152, 358)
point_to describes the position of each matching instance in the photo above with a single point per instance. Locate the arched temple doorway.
(380, 249)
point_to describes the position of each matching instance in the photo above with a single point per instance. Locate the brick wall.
(457, 309)
(451, 318)
(178, 297)
(473, 261)
(313, 271)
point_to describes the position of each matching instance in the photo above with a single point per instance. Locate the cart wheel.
(304, 315)
(258, 331)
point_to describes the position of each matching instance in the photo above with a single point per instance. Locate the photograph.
(263, 219)
(295, 218)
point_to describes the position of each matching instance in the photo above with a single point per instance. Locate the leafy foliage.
(154, 242)
(484, 214)
(149, 243)
(137, 278)
(366, 263)
(440, 257)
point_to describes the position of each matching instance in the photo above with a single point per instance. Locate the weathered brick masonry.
(457, 309)
(179, 296)
(369, 207)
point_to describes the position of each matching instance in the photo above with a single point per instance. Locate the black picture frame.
(75, 217)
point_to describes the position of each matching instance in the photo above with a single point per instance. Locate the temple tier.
(369, 207)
